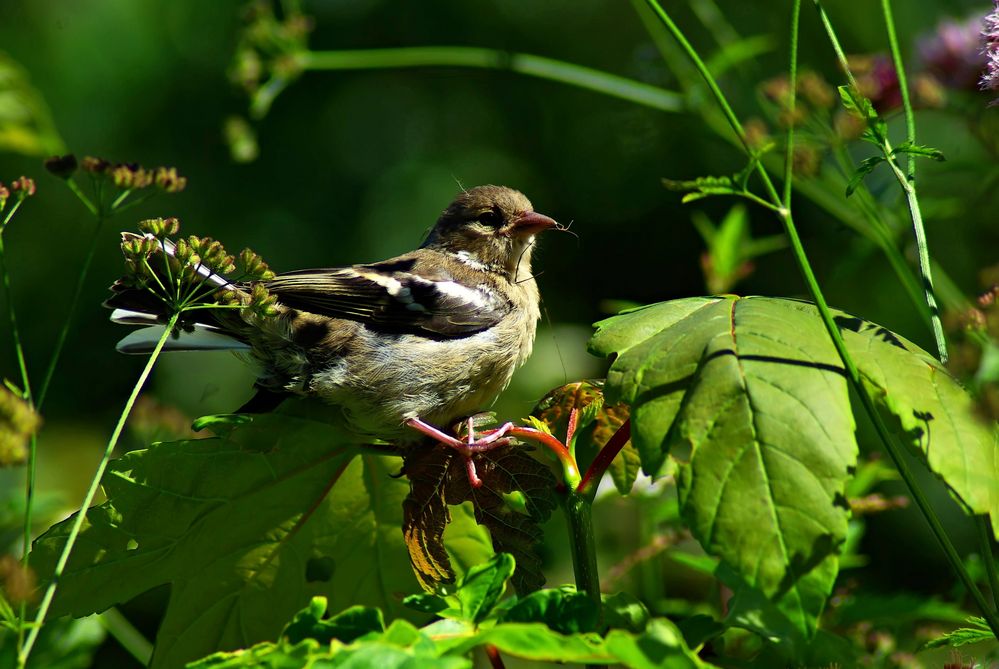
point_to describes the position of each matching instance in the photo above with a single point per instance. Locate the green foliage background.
(355, 166)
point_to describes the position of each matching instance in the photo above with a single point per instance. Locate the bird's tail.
(146, 301)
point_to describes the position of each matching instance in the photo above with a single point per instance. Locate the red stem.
(492, 652)
(546, 440)
(604, 458)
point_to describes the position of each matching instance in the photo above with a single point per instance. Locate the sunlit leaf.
(255, 524)
(750, 396)
(979, 631)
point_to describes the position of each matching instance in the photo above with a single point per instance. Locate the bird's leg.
(467, 449)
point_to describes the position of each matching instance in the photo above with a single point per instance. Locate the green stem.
(793, 78)
(124, 632)
(73, 303)
(75, 187)
(14, 331)
(908, 184)
(578, 512)
(74, 532)
(894, 449)
(522, 63)
(15, 334)
(985, 546)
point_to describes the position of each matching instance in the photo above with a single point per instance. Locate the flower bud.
(96, 166)
(160, 227)
(169, 181)
(254, 267)
(23, 185)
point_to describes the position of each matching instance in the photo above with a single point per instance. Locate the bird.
(401, 347)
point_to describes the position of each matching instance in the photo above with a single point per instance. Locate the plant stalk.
(985, 546)
(591, 479)
(521, 63)
(578, 511)
(124, 632)
(88, 499)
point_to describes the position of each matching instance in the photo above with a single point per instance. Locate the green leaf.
(483, 586)
(919, 150)
(854, 101)
(660, 646)
(426, 602)
(962, 636)
(345, 626)
(749, 394)
(623, 611)
(930, 411)
(563, 609)
(255, 524)
(866, 167)
(221, 424)
(445, 643)
(763, 431)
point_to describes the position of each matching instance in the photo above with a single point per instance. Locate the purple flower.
(990, 33)
(953, 53)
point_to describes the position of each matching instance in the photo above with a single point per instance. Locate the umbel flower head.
(990, 33)
(193, 271)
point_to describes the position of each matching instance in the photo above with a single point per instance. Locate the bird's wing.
(401, 295)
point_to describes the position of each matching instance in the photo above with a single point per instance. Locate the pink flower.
(953, 52)
(990, 32)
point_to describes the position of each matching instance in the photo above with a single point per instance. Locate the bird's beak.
(531, 223)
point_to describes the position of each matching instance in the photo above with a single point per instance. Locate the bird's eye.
(491, 218)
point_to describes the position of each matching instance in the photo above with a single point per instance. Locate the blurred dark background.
(355, 166)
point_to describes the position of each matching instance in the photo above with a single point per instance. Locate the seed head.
(62, 166)
(254, 267)
(24, 186)
(96, 166)
(169, 181)
(160, 227)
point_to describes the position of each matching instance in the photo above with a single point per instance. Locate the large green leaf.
(750, 396)
(745, 394)
(933, 413)
(245, 529)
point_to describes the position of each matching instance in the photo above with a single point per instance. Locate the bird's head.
(492, 226)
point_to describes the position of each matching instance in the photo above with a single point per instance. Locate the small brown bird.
(423, 339)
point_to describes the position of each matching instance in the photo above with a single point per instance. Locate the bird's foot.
(469, 447)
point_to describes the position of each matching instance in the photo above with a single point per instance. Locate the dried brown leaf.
(438, 478)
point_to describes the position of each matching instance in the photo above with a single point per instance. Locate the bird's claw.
(494, 439)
